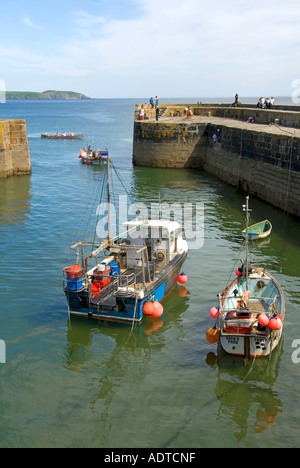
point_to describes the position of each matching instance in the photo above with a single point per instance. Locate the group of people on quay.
(152, 103)
(267, 103)
(263, 103)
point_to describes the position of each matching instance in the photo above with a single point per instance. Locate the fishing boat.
(251, 310)
(62, 136)
(259, 230)
(90, 157)
(132, 272)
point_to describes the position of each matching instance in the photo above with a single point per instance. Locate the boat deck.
(107, 295)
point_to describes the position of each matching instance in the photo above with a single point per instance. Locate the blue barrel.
(74, 284)
(115, 269)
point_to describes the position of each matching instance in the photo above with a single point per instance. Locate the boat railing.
(74, 283)
(249, 306)
(125, 284)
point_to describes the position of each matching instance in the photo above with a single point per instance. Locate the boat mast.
(246, 209)
(108, 199)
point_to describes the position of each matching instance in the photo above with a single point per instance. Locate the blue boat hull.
(125, 309)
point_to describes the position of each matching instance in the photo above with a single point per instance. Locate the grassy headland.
(45, 95)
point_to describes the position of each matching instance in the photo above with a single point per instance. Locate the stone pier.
(14, 149)
(262, 158)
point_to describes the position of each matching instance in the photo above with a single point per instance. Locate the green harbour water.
(160, 384)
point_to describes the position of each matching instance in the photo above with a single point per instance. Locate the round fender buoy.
(212, 335)
(239, 272)
(214, 312)
(157, 310)
(148, 308)
(263, 320)
(182, 278)
(275, 323)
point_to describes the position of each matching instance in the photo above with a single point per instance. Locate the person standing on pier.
(142, 112)
(236, 101)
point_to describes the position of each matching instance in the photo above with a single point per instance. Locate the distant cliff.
(50, 94)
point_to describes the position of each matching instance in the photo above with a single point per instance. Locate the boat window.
(165, 233)
(172, 243)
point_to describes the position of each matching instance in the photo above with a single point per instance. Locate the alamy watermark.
(2, 352)
(2, 92)
(189, 215)
(296, 92)
(296, 353)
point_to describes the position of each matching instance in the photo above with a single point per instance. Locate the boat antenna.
(248, 211)
(108, 198)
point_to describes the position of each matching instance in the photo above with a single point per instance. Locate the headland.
(50, 94)
(255, 150)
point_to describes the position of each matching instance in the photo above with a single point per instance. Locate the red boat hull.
(62, 137)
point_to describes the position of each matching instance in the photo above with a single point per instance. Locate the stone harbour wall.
(264, 163)
(14, 149)
(168, 145)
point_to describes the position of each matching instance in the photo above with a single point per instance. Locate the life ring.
(261, 284)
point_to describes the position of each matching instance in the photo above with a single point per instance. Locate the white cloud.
(188, 45)
(26, 20)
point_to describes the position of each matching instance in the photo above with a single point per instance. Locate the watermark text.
(2, 92)
(189, 215)
(2, 352)
(296, 92)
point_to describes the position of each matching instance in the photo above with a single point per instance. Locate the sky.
(141, 48)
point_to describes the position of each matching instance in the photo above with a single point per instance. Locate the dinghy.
(259, 230)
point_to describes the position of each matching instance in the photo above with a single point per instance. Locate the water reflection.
(245, 391)
(83, 333)
(168, 185)
(14, 199)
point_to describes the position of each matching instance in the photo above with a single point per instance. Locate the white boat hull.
(250, 346)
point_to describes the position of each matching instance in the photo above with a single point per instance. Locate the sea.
(160, 384)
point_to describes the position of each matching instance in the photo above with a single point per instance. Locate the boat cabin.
(145, 247)
(157, 239)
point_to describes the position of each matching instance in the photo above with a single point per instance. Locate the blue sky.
(140, 48)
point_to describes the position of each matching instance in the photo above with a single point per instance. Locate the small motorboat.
(90, 157)
(62, 136)
(251, 311)
(259, 230)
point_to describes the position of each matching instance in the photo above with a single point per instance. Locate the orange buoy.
(212, 335)
(157, 310)
(182, 278)
(275, 323)
(214, 312)
(263, 320)
(148, 308)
